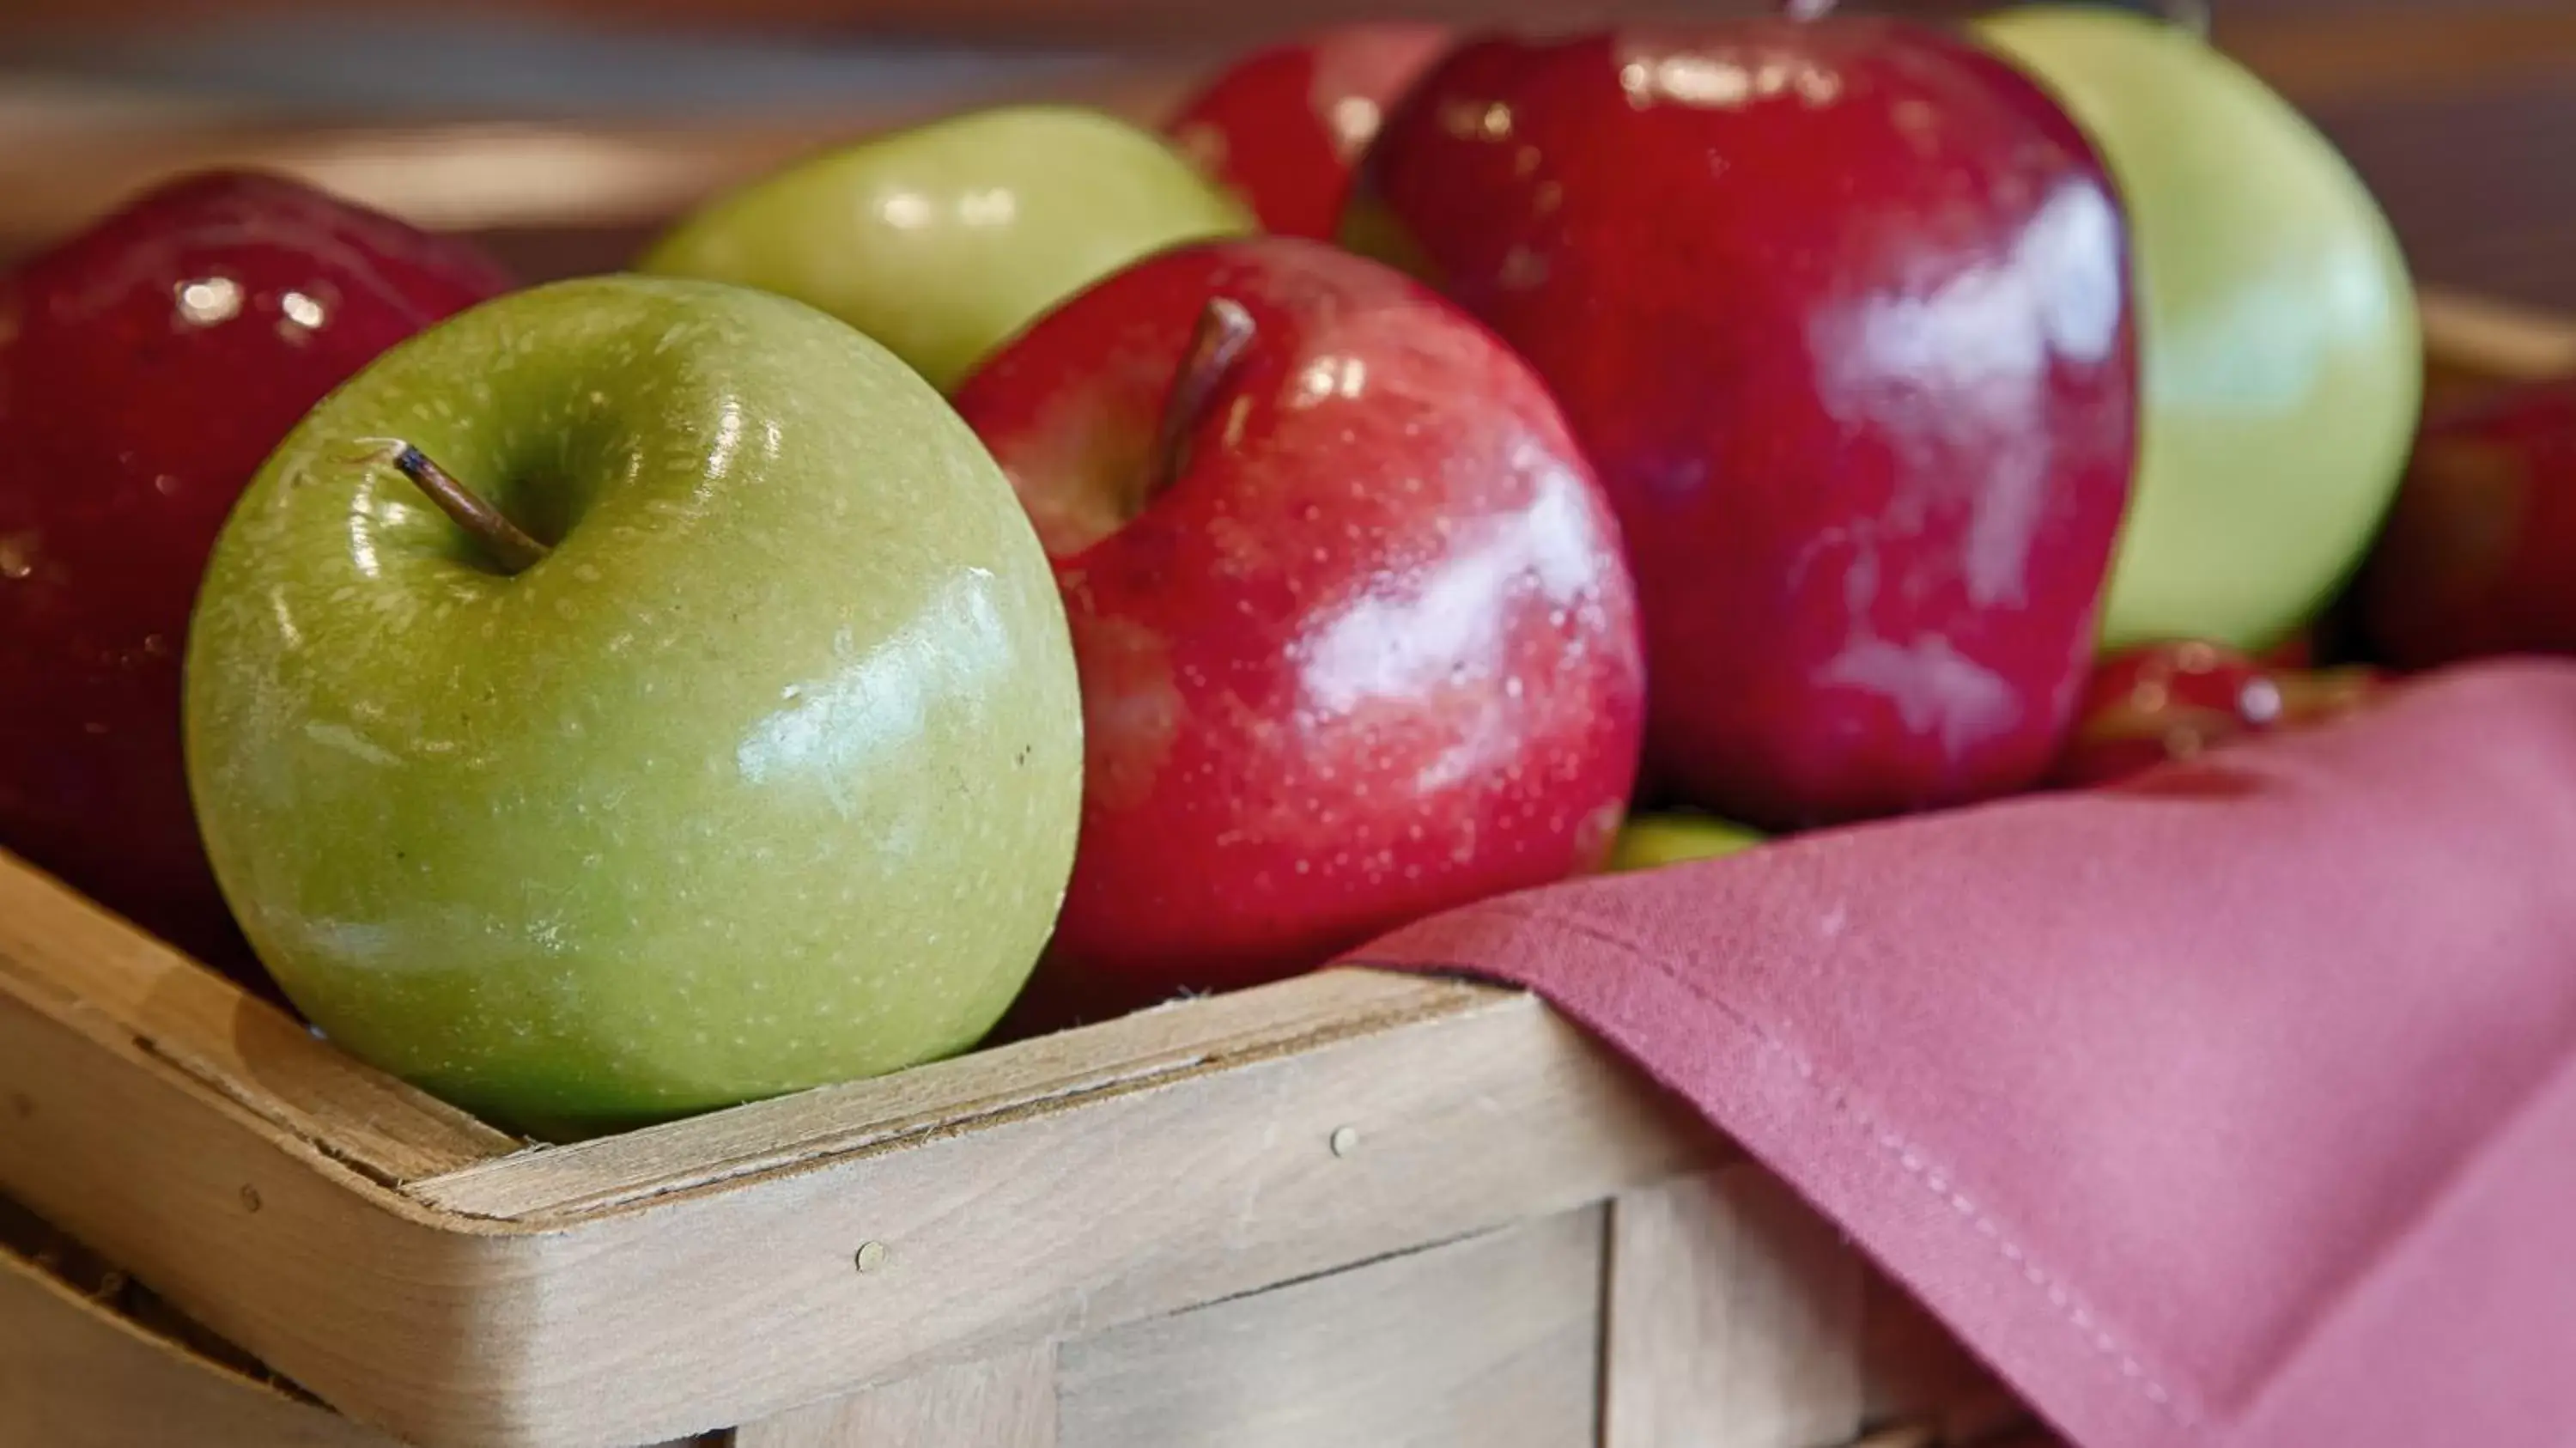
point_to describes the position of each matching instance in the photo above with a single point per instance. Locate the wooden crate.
(1354, 1208)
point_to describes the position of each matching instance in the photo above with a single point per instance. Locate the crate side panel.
(1492, 1342)
(73, 1375)
(1734, 1318)
(1048, 1073)
(1006, 1401)
(734, 1304)
(335, 1282)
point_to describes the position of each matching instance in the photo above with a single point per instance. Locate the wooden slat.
(1734, 1318)
(998, 1402)
(1048, 1073)
(94, 973)
(703, 1276)
(478, 176)
(2501, 343)
(75, 1376)
(1492, 1342)
(1064, 1218)
(250, 1229)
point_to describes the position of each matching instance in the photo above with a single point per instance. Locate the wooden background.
(2460, 113)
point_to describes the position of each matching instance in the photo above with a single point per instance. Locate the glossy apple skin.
(2280, 353)
(767, 777)
(2173, 700)
(1372, 654)
(133, 410)
(1282, 127)
(944, 239)
(2479, 553)
(1840, 312)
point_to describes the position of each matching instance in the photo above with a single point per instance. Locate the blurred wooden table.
(2460, 113)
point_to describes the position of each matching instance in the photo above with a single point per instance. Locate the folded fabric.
(2235, 1106)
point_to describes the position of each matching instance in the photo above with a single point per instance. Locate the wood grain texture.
(999, 1402)
(73, 1375)
(2485, 341)
(1491, 1342)
(1734, 1318)
(1049, 1073)
(1067, 1217)
(261, 1235)
(96, 974)
(703, 1277)
(627, 176)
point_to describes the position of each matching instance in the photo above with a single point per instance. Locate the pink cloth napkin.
(2234, 1107)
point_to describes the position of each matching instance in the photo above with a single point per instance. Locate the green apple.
(943, 240)
(2283, 370)
(1649, 840)
(766, 773)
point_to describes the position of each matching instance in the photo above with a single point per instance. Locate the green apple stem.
(1223, 331)
(502, 539)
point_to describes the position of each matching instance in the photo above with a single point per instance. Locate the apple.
(941, 240)
(634, 696)
(1650, 840)
(2277, 331)
(1282, 126)
(147, 366)
(2479, 553)
(1356, 640)
(1840, 311)
(2321, 696)
(2170, 700)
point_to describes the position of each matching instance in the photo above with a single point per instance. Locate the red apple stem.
(1224, 330)
(502, 539)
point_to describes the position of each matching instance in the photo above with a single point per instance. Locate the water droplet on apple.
(301, 310)
(17, 555)
(208, 300)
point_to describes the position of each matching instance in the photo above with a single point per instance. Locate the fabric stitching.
(1893, 1143)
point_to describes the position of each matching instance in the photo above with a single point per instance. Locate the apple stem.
(1224, 330)
(508, 546)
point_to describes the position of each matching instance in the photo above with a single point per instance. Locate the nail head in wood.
(871, 1256)
(1344, 1140)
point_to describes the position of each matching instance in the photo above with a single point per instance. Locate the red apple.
(147, 367)
(1282, 126)
(2156, 702)
(1355, 637)
(1840, 310)
(2478, 555)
